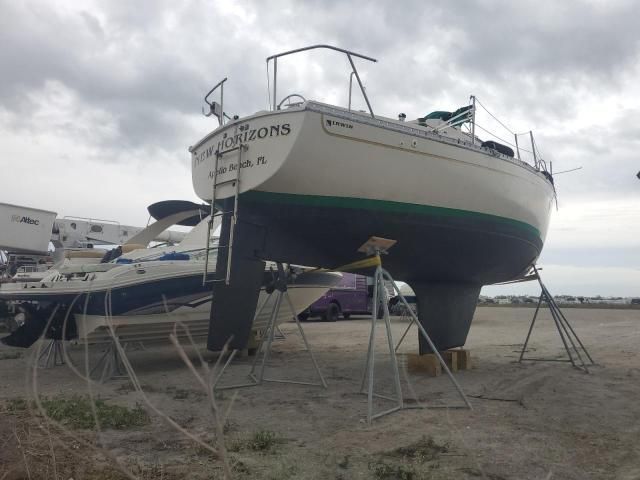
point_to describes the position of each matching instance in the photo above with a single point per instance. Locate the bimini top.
(160, 210)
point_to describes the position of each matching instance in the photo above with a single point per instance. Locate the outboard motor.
(36, 320)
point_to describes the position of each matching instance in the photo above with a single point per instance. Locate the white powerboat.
(141, 294)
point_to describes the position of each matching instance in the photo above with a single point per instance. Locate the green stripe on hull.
(380, 205)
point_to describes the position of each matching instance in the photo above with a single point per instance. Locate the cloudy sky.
(100, 100)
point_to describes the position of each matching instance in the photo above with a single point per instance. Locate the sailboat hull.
(463, 216)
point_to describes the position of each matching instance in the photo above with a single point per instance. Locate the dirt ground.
(532, 420)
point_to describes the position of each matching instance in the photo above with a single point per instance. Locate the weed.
(284, 471)
(76, 412)
(235, 445)
(424, 450)
(263, 440)
(127, 387)
(229, 426)
(239, 466)
(387, 471)
(16, 405)
(154, 471)
(183, 393)
(478, 473)
(211, 442)
(180, 394)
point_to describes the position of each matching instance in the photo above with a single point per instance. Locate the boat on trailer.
(307, 182)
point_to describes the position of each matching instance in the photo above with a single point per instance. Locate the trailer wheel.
(332, 313)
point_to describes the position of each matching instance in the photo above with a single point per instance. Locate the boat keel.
(445, 310)
(234, 304)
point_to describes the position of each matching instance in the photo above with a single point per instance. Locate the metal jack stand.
(52, 355)
(374, 247)
(109, 365)
(569, 338)
(264, 349)
(279, 334)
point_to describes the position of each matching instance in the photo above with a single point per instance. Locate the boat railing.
(470, 116)
(348, 53)
(216, 109)
(350, 87)
(528, 154)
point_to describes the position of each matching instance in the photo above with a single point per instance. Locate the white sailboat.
(318, 180)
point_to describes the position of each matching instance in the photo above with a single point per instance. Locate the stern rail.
(349, 55)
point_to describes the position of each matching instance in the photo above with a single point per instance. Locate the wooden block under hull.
(450, 357)
(464, 359)
(429, 363)
(252, 346)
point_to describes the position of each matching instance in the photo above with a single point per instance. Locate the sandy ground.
(529, 421)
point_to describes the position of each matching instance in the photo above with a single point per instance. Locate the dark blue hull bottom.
(445, 257)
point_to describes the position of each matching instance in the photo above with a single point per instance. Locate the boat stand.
(52, 355)
(264, 348)
(279, 334)
(570, 340)
(109, 366)
(376, 246)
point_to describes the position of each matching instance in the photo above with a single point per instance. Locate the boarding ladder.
(235, 182)
(217, 109)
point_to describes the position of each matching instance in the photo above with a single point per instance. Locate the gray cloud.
(574, 39)
(607, 153)
(143, 67)
(122, 82)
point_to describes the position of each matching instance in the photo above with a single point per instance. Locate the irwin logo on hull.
(27, 220)
(245, 135)
(336, 123)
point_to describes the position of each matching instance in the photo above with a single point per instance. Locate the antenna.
(573, 170)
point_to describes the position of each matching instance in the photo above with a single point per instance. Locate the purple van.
(350, 296)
